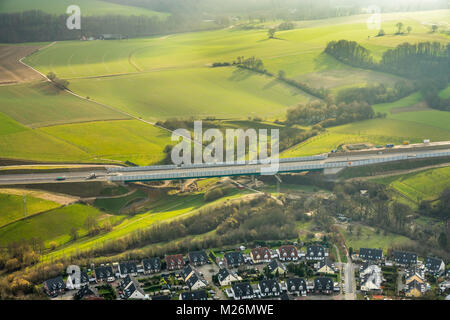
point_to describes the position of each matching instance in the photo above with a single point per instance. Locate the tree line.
(426, 62)
(38, 26)
(329, 114)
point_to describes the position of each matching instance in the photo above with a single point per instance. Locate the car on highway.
(60, 178)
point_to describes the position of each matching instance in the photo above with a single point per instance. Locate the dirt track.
(11, 70)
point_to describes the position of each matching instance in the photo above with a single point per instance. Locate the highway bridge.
(327, 162)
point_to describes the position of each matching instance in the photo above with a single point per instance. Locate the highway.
(131, 174)
(292, 166)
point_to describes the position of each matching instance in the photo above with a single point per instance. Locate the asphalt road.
(185, 173)
(30, 178)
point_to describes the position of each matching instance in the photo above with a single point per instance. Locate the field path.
(99, 103)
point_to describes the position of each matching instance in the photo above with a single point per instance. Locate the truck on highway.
(92, 176)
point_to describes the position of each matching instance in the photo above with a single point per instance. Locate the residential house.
(325, 266)
(415, 284)
(405, 258)
(104, 273)
(198, 258)
(192, 278)
(316, 252)
(276, 268)
(415, 273)
(226, 277)
(269, 288)
(242, 291)
(151, 265)
(234, 259)
(369, 254)
(288, 253)
(129, 288)
(296, 286)
(260, 255)
(128, 268)
(194, 295)
(415, 289)
(195, 282)
(74, 282)
(54, 286)
(175, 262)
(371, 278)
(84, 293)
(186, 273)
(323, 285)
(434, 266)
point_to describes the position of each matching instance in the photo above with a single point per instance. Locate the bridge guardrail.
(285, 168)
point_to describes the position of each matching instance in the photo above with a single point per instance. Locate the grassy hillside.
(370, 239)
(88, 7)
(220, 92)
(123, 140)
(12, 207)
(376, 131)
(54, 225)
(19, 142)
(424, 185)
(115, 205)
(166, 209)
(42, 104)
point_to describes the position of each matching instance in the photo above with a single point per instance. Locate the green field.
(115, 205)
(125, 140)
(193, 92)
(42, 104)
(417, 186)
(13, 208)
(369, 239)
(54, 225)
(88, 7)
(163, 77)
(19, 142)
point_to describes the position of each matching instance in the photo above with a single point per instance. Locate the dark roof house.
(242, 291)
(198, 258)
(54, 286)
(269, 287)
(323, 285)
(435, 266)
(370, 254)
(104, 273)
(127, 267)
(405, 258)
(234, 259)
(296, 285)
(194, 295)
(315, 252)
(151, 265)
